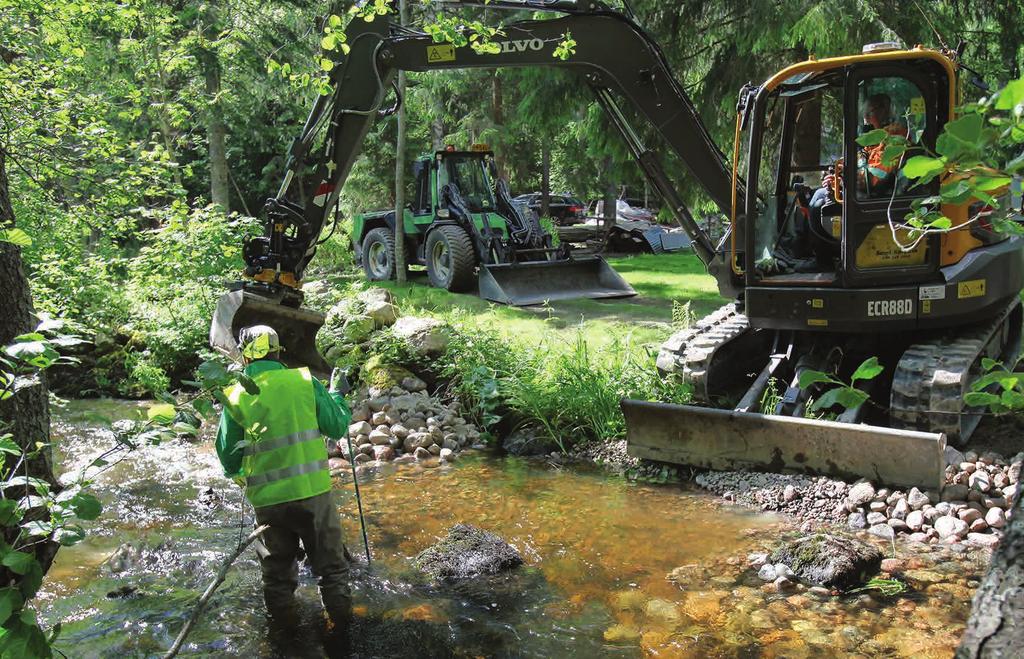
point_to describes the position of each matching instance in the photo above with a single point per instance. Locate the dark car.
(563, 209)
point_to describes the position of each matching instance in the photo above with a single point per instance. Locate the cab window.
(897, 106)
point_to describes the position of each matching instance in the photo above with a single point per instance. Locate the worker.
(874, 176)
(282, 464)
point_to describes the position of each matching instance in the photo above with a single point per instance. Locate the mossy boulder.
(378, 374)
(467, 552)
(829, 560)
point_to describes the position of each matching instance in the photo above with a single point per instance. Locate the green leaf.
(1013, 400)
(967, 129)
(248, 384)
(31, 580)
(990, 183)
(334, 20)
(809, 377)
(922, 166)
(980, 399)
(8, 512)
(19, 562)
(15, 237)
(328, 42)
(69, 535)
(868, 370)
(956, 192)
(161, 412)
(988, 363)
(7, 445)
(10, 601)
(874, 137)
(846, 397)
(1011, 95)
(326, 64)
(942, 223)
(86, 506)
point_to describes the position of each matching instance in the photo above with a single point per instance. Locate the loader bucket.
(296, 328)
(728, 440)
(522, 284)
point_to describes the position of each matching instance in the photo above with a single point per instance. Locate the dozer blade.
(728, 440)
(522, 284)
(296, 328)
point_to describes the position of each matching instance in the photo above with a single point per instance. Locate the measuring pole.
(400, 169)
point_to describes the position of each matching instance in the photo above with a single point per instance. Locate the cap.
(258, 341)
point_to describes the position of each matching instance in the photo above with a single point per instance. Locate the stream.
(613, 568)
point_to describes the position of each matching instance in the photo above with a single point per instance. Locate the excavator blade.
(296, 328)
(523, 284)
(727, 440)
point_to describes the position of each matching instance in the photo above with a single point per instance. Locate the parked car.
(563, 209)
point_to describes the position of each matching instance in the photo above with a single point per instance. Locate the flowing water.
(612, 568)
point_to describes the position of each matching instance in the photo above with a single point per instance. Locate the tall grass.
(566, 392)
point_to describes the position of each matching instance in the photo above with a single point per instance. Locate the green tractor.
(464, 227)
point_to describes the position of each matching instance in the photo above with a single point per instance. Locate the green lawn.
(645, 319)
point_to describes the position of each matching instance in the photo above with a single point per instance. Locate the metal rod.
(359, 500)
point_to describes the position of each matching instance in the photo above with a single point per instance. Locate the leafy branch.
(845, 395)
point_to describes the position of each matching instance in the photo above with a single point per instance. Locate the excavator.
(818, 281)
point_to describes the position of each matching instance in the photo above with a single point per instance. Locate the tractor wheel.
(450, 259)
(379, 254)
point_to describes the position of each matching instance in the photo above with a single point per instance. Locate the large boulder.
(829, 560)
(529, 440)
(384, 314)
(427, 337)
(380, 376)
(358, 329)
(467, 552)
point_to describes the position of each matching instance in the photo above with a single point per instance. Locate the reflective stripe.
(263, 446)
(286, 472)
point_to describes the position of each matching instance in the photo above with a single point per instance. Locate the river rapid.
(613, 568)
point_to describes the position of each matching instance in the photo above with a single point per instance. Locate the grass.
(642, 320)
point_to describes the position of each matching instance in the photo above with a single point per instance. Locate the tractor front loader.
(465, 228)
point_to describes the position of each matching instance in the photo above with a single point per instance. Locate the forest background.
(139, 138)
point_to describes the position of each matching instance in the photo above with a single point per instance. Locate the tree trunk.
(26, 414)
(400, 270)
(216, 131)
(498, 116)
(545, 179)
(996, 625)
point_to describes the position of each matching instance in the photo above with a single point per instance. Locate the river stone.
(359, 428)
(421, 453)
(767, 572)
(856, 521)
(860, 494)
(830, 560)
(983, 539)
(362, 457)
(413, 384)
(917, 499)
(954, 492)
(969, 515)
(622, 634)
(467, 552)
(662, 610)
(383, 453)
(529, 440)
(915, 520)
(996, 518)
(882, 531)
(434, 449)
(949, 526)
(447, 455)
(379, 438)
(876, 518)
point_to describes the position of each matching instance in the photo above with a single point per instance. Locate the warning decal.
(441, 53)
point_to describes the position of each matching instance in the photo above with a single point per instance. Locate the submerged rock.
(830, 560)
(467, 552)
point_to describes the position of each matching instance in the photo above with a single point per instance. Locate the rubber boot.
(338, 630)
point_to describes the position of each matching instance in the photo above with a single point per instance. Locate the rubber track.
(932, 377)
(690, 352)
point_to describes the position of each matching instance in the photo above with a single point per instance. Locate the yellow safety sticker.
(442, 53)
(817, 322)
(926, 306)
(972, 288)
(817, 303)
(917, 105)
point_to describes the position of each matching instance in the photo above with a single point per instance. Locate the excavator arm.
(615, 56)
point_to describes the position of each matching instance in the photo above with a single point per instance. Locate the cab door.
(903, 101)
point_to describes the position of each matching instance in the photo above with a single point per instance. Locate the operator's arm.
(229, 433)
(332, 411)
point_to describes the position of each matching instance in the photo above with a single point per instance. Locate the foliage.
(887, 587)
(845, 395)
(998, 389)
(975, 159)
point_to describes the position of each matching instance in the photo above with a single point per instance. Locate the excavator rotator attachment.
(296, 328)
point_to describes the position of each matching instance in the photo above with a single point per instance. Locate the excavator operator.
(874, 176)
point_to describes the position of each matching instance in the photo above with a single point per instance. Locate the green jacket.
(332, 413)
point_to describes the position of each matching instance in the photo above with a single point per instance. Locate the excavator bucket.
(523, 284)
(296, 328)
(728, 440)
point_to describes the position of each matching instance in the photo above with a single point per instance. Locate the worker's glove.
(339, 381)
